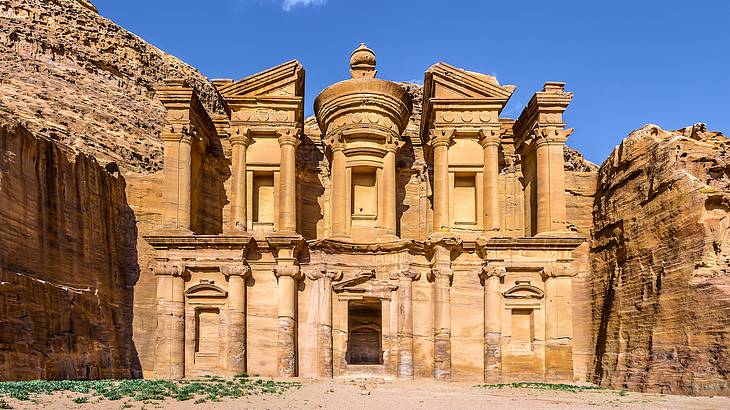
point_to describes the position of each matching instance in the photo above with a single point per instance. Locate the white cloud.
(288, 5)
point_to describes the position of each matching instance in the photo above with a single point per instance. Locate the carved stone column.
(236, 343)
(340, 206)
(405, 321)
(491, 275)
(239, 145)
(558, 323)
(440, 142)
(442, 324)
(490, 143)
(287, 275)
(170, 340)
(288, 142)
(323, 280)
(551, 213)
(177, 177)
(389, 202)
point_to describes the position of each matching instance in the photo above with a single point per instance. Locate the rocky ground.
(411, 395)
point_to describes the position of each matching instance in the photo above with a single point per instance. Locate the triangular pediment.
(449, 82)
(285, 80)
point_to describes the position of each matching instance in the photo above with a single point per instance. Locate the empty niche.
(207, 329)
(523, 330)
(263, 198)
(364, 193)
(465, 199)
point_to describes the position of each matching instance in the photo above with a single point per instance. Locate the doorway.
(364, 343)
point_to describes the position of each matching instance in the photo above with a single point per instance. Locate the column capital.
(178, 133)
(490, 137)
(442, 136)
(558, 270)
(288, 270)
(167, 268)
(441, 273)
(492, 270)
(333, 275)
(405, 274)
(240, 135)
(551, 135)
(236, 270)
(288, 136)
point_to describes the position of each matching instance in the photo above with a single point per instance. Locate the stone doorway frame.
(364, 286)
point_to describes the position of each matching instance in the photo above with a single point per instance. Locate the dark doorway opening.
(364, 318)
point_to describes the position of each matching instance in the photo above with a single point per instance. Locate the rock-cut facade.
(400, 233)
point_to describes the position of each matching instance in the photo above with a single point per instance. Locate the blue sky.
(628, 62)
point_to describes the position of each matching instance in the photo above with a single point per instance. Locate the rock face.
(661, 263)
(78, 79)
(67, 264)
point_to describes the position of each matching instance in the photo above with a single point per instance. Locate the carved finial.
(362, 62)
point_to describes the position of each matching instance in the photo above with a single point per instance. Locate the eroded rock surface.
(661, 263)
(76, 78)
(67, 264)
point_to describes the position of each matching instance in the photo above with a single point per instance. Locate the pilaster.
(490, 141)
(288, 141)
(491, 275)
(440, 141)
(170, 341)
(240, 140)
(323, 280)
(405, 280)
(237, 337)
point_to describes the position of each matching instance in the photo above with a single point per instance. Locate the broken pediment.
(445, 81)
(285, 80)
(365, 285)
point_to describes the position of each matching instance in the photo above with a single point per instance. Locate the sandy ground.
(341, 394)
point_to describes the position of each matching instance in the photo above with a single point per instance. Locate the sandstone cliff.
(661, 263)
(76, 78)
(67, 264)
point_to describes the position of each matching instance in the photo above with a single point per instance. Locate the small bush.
(207, 388)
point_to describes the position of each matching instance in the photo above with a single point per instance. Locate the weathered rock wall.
(661, 263)
(67, 264)
(76, 78)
